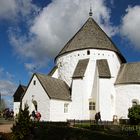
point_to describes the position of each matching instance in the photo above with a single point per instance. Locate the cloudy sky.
(32, 32)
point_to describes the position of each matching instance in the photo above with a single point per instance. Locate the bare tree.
(2, 104)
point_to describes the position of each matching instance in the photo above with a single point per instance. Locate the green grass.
(78, 132)
(3, 121)
(68, 133)
(60, 131)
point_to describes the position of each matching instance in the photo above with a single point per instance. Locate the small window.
(88, 52)
(135, 102)
(91, 105)
(66, 107)
(34, 82)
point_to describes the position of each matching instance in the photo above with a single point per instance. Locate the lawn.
(61, 131)
(3, 121)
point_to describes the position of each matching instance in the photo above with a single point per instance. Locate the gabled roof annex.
(19, 93)
(55, 88)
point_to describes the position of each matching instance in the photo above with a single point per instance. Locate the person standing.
(99, 116)
(96, 118)
(38, 115)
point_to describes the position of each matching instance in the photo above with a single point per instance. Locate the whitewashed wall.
(124, 96)
(84, 89)
(16, 108)
(106, 99)
(36, 92)
(81, 93)
(57, 110)
(95, 94)
(67, 62)
(77, 105)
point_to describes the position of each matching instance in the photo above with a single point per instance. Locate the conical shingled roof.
(90, 36)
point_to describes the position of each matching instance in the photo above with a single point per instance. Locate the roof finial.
(90, 12)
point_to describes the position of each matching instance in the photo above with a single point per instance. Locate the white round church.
(90, 76)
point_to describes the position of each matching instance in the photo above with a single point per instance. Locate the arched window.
(91, 105)
(35, 104)
(135, 102)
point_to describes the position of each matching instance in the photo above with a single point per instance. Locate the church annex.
(90, 75)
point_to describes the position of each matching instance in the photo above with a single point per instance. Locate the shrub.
(23, 126)
(5, 136)
(134, 114)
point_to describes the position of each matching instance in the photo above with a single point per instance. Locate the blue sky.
(32, 32)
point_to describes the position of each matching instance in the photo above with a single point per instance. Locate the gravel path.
(5, 128)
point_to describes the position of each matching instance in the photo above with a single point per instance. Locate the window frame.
(92, 106)
(66, 107)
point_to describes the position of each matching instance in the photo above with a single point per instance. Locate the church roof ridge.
(90, 36)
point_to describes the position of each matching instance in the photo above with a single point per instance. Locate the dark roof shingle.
(129, 73)
(80, 68)
(103, 68)
(55, 88)
(90, 36)
(19, 93)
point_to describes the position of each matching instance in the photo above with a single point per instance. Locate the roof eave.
(119, 54)
(53, 98)
(127, 83)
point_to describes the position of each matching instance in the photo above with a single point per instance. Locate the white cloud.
(55, 25)
(7, 89)
(33, 67)
(30, 66)
(8, 9)
(7, 86)
(5, 74)
(13, 9)
(130, 27)
(26, 7)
